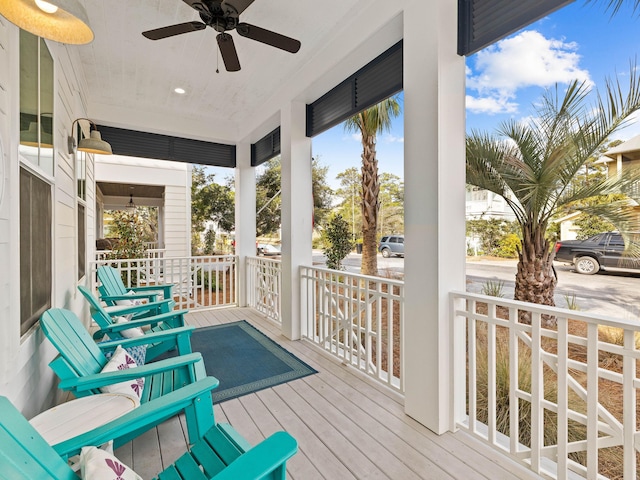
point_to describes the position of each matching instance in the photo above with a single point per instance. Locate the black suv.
(392, 245)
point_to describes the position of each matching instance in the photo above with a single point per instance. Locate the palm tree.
(369, 123)
(532, 165)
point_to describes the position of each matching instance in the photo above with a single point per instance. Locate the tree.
(210, 201)
(337, 238)
(532, 165)
(369, 123)
(268, 202)
(350, 191)
(391, 200)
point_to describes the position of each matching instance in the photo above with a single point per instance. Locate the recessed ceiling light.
(179, 90)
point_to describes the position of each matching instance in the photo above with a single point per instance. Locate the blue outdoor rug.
(244, 359)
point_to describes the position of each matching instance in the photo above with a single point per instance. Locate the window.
(82, 243)
(35, 248)
(36, 103)
(36, 157)
(81, 193)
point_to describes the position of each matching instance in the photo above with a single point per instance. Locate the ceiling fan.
(223, 16)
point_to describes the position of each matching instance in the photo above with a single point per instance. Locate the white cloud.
(390, 138)
(525, 60)
(490, 105)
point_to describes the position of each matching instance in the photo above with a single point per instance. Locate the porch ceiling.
(131, 79)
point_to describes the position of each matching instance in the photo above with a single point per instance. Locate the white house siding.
(25, 377)
(177, 216)
(175, 225)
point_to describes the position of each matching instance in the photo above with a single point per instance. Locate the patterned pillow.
(96, 464)
(121, 360)
(138, 352)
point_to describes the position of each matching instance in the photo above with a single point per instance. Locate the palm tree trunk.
(370, 190)
(535, 276)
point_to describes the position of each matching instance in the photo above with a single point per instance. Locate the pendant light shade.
(95, 144)
(63, 21)
(91, 144)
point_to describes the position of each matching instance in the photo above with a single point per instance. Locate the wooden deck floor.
(346, 427)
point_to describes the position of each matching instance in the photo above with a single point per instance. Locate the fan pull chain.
(217, 59)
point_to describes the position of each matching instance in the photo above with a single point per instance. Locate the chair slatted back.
(70, 337)
(110, 281)
(98, 313)
(24, 453)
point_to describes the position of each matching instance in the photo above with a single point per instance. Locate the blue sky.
(505, 80)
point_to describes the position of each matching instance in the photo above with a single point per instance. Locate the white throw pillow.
(129, 332)
(127, 302)
(121, 360)
(96, 464)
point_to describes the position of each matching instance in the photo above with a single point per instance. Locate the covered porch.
(347, 426)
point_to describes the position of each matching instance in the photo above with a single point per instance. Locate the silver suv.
(392, 245)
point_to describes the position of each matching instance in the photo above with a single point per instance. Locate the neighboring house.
(483, 204)
(624, 156)
(568, 229)
(154, 183)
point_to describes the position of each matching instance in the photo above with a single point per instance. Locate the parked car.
(603, 251)
(392, 245)
(268, 249)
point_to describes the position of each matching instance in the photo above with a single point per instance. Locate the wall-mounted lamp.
(63, 21)
(91, 144)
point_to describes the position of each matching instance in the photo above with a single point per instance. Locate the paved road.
(612, 294)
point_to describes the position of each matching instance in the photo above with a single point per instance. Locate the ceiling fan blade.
(238, 5)
(228, 52)
(172, 30)
(267, 36)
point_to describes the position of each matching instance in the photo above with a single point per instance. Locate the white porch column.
(434, 119)
(245, 198)
(297, 212)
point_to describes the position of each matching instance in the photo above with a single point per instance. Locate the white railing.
(554, 389)
(149, 253)
(357, 318)
(264, 286)
(199, 282)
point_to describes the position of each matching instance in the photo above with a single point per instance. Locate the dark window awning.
(483, 22)
(164, 147)
(379, 79)
(266, 148)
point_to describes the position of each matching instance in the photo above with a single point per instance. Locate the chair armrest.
(131, 296)
(148, 339)
(145, 416)
(116, 310)
(269, 455)
(147, 321)
(165, 287)
(98, 380)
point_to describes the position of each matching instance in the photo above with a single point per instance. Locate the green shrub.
(493, 288)
(338, 238)
(508, 246)
(206, 280)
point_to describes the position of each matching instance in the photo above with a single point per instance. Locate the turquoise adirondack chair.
(81, 361)
(112, 288)
(222, 454)
(156, 323)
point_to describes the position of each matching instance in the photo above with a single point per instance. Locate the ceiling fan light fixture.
(63, 21)
(131, 205)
